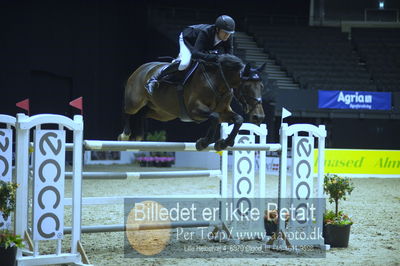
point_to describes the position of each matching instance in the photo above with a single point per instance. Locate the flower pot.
(7, 256)
(337, 235)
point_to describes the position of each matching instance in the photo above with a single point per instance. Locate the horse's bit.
(243, 99)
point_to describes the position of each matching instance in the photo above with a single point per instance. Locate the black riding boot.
(153, 83)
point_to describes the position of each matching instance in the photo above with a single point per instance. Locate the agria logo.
(354, 97)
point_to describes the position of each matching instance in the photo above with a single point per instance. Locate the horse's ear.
(261, 68)
(246, 70)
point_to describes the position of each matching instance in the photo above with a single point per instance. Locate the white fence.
(48, 170)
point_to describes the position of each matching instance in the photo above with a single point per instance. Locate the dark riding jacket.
(200, 41)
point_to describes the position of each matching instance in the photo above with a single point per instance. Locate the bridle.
(210, 82)
(244, 99)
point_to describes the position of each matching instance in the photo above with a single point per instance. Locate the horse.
(206, 95)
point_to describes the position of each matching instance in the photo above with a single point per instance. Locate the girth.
(184, 114)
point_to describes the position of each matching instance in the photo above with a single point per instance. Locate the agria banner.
(355, 100)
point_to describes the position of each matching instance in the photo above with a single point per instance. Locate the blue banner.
(355, 100)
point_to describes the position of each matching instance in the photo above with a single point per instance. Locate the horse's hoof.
(220, 145)
(201, 145)
(123, 137)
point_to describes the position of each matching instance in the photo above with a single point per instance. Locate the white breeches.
(184, 54)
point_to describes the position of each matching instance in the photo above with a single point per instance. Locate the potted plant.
(167, 160)
(337, 224)
(141, 161)
(157, 136)
(160, 159)
(9, 242)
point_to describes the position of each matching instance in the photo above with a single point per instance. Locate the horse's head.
(249, 93)
(230, 72)
(231, 67)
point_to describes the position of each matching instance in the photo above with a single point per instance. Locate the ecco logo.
(48, 183)
(244, 184)
(302, 162)
(4, 148)
(5, 163)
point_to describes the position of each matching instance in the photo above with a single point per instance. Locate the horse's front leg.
(203, 143)
(237, 120)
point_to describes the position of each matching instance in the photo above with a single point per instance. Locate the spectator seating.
(380, 49)
(316, 57)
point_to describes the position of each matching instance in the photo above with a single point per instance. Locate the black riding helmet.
(225, 23)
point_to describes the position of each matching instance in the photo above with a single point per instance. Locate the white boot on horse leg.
(124, 137)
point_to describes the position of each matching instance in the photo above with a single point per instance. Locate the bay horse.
(207, 95)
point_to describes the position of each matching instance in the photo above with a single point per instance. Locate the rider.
(202, 41)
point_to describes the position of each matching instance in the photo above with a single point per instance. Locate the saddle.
(180, 78)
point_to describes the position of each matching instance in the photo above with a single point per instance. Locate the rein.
(210, 82)
(243, 99)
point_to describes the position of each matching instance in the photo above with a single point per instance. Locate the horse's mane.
(230, 62)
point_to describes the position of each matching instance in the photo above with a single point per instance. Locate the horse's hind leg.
(135, 123)
(134, 103)
(127, 121)
(139, 124)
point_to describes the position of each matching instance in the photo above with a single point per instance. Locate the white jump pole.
(102, 145)
(124, 227)
(148, 175)
(121, 199)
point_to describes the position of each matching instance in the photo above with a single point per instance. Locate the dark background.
(55, 51)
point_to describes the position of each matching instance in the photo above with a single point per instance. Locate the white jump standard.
(49, 148)
(6, 150)
(49, 173)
